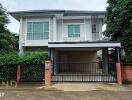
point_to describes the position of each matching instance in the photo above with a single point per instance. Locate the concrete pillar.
(54, 28)
(21, 49)
(105, 60)
(118, 66)
(18, 73)
(48, 70)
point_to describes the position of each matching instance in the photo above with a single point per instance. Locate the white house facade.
(69, 36)
(37, 28)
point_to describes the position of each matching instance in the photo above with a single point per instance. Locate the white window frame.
(37, 20)
(68, 30)
(72, 24)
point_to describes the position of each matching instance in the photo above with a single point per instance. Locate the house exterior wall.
(58, 30)
(73, 22)
(23, 33)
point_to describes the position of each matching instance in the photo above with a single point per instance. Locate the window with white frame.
(37, 30)
(95, 32)
(74, 30)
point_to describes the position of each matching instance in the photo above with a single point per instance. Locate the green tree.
(8, 41)
(119, 24)
(15, 41)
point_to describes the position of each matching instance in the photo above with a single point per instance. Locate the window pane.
(37, 30)
(93, 28)
(46, 26)
(30, 28)
(77, 29)
(73, 30)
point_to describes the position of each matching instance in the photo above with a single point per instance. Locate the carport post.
(118, 66)
(105, 60)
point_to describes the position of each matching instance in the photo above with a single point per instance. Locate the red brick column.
(48, 71)
(127, 73)
(18, 73)
(119, 76)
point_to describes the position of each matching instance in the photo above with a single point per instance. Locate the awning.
(94, 44)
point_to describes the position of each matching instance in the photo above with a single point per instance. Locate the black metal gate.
(32, 73)
(84, 72)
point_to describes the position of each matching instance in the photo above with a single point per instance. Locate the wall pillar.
(48, 70)
(118, 66)
(21, 49)
(54, 28)
(18, 73)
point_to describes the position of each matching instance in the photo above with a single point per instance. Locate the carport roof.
(86, 44)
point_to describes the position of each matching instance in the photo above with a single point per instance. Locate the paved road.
(61, 95)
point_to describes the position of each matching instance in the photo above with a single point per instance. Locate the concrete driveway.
(64, 95)
(67, 91)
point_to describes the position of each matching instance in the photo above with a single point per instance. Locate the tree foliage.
(8, 41)
(119, 24)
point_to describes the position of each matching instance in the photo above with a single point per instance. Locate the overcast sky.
(22, 5)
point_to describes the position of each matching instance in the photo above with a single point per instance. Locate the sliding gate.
(84, 72)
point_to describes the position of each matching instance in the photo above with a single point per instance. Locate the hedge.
(27, 58)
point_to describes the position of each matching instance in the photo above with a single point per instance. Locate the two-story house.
(72, 39)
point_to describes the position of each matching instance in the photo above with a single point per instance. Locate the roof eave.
(18, 14)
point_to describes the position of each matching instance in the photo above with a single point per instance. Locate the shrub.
(27, 58)
(9, 58)
(33, 58)
(9, 61)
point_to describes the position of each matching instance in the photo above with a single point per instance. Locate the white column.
(100, 30)
(20, 38)
(54, 30)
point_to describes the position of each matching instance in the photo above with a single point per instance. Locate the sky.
(23, 5)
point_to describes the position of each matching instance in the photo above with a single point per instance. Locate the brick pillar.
(18, 73)
(48, 71)
(119, 76)
(118, 67)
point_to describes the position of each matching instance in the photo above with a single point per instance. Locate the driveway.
(64, 95)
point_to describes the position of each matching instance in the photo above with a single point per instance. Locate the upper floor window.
(94, 30)
(37, 30)
(74, 30)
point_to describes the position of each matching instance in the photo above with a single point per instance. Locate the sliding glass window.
(37, 30)
(74, 30)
